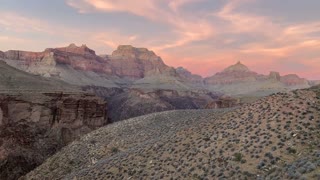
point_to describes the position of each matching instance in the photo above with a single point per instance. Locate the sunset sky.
(203, 36)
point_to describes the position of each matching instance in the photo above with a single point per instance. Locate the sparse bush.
(114, 150)
(238, 157)
(291, 150)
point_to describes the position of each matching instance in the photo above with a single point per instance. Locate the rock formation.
(136, 63)
(129, 66)
(33, 126)
(38, 116)
(238, 79)
(237, 73)
(125, 62)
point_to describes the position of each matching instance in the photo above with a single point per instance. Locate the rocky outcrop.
(128, 61)
(34, 126)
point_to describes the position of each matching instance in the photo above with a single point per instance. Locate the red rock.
(136, 63)
(126, 61)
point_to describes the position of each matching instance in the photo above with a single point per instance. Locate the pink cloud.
(186, 28)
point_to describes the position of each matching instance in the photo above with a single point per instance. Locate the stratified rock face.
(34, 126)
(234, 74)
(71, 62)
(185, 74)
(293, 80)
(128, 61)
(45, 63)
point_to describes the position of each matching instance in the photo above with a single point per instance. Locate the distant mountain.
(238, 79)
(80, 65)
(133, 67)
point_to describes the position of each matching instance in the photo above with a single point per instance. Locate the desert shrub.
(114, 150)
(238, 157)
(291, 150)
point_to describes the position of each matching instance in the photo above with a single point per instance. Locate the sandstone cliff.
(34, 126)
(136, 63)
(125, 62)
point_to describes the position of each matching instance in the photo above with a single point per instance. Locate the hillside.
(12, 79)
(277, 137)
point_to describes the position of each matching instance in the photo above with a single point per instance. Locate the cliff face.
(126, 61)
(136, 63)
(34, 126)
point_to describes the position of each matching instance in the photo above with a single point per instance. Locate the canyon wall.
(34, 126)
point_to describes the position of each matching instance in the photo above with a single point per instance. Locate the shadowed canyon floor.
(277, 137)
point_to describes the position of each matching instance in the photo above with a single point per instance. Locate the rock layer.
(33, 126)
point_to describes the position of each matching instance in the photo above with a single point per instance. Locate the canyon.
(50, 99)
(133, 76)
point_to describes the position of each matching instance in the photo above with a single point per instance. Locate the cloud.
(187, 29)
(14, 22)
(216, 37)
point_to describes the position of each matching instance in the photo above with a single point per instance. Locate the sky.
(204, 36)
